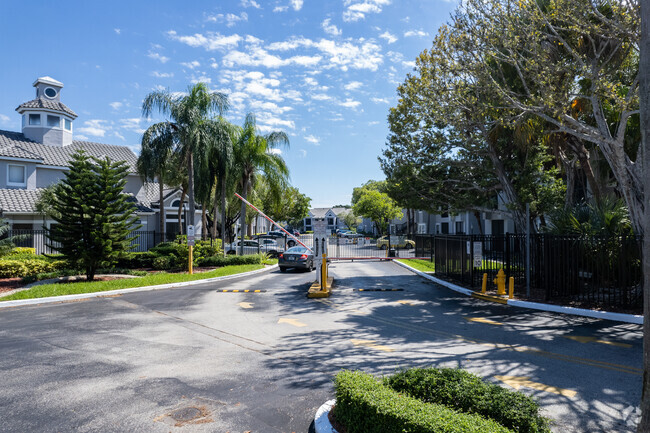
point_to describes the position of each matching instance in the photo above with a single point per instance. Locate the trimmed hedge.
(466, 392)
(230, 260)
(24, 267)
(365, 405)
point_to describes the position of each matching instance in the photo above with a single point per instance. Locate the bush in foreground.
(364, 404)
(230, 260)
(466, 392)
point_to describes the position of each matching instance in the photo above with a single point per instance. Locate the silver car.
(268, 246)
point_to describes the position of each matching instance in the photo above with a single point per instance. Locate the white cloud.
(410, 64)
(379, 100)
(118, 31)
(350, 103)
(419, 33)
(296, 4)
(280, 8)
(157, 56)
(353, 85)
(321, 97)
(275, 151)
(162, 74)
(389, 37)
(116, 105)
(229, 19)
(191, 65)
(4, 120)
(268, 122)
(395, 57)
(94, 127)
(211, 41)
(303, 152)
(132, 124)
(358, 9)
(81, 137)
(330, 29)
(118, 135)
(373, 123)
(313, 139)
(250, 3)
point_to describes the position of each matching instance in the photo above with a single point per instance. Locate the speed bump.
(241, 291)
(380, 290)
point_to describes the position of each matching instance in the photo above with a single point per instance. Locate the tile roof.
(19, 200)
(24, 201)
(319, 212)
(14, 144)
(151, 194)
(47, 104)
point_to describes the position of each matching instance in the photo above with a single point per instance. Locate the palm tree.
(255, 155)
(154, 162)
(186, 129)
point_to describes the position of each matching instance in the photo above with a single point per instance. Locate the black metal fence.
(37, 239)
(574, 270)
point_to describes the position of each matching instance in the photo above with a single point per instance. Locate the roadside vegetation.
(432, 400)
(420, 265)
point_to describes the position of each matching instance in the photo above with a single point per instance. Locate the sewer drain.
(186, 414)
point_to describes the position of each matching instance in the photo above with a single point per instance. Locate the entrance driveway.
(199, 359)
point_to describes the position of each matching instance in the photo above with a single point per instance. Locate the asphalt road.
(198, 359)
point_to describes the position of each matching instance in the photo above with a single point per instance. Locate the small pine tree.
(94, 219)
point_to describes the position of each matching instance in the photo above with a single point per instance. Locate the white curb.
(605, 315)
(321, 422)
(63, 298)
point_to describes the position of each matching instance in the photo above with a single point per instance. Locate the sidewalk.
(605, 315)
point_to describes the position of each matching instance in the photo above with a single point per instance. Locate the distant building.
(333, 216)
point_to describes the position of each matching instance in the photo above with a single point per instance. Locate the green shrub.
(10, 268)
(232, 260)
(364, 405)
(22, 251)
(137, 260)
(466, 392)
(47, 275)
(162, 263)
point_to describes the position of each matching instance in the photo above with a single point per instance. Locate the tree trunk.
(204, 221)
(223, 216)
(180, 213)
(215, 211)
(477, 215)
(242, 217)
(508, 188)
(190, 187)
(161, 196)
(644, 157)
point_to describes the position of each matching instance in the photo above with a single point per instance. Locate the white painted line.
(321, 422)
(605, 315)
(447, 284)
(63, 298)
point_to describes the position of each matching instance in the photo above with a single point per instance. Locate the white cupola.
(46, 119)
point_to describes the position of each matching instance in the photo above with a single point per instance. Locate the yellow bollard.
(484, 285)
(190, 264)
(323, 273)
(511, 289)
(500, 281)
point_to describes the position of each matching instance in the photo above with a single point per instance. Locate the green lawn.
(101, 286)
(420, 265)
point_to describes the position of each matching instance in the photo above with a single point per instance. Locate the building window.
(34, 119)
(16, 175)
(307, 221)
(68, 124)
(459, 227)
(422, 229)
(330, 221)
(53, 121)
(50, 92)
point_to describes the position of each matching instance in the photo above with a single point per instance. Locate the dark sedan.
(296, 257)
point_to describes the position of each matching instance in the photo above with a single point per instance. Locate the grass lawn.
(420, 265)
(100, 286)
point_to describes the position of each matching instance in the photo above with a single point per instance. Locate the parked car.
(268, 246)
(382, 242)
(296, 257)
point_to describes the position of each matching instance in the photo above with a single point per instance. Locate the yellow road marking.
(518, 381)
(371, 344)
(584, 339)
(246, 304)
(482, 320)
(292, 322)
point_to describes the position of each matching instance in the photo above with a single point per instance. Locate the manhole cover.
(186, 414)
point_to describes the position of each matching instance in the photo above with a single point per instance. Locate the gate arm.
(272, 222)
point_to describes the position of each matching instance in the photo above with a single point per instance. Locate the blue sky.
(325, 72)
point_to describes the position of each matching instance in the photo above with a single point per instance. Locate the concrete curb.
(64, 298)
(321, 422)
(605, 315)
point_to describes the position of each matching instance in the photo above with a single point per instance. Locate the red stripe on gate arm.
(273, 222)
